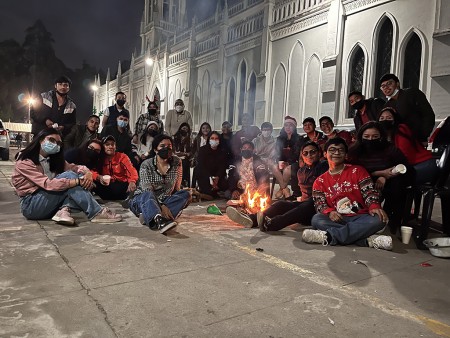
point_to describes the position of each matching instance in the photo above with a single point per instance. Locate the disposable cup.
(106, 179)
(400, 168)
(406, 234)
(280, 165)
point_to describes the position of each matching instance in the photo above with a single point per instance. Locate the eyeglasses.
(311, 152)
(336, 150)
(53, 140)
(387, 84)
(94, 149)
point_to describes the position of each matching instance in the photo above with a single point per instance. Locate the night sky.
(98, 31)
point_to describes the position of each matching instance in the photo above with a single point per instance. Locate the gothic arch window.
(242, 81)
(384, 53)
(231, 100)
(413, 60)
(251, 96)
(356, 71)
(166, 9)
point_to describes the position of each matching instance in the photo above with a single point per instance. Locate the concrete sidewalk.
(207, 279)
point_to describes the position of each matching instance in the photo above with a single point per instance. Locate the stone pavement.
(207, 279)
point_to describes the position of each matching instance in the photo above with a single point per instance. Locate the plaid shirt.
(143, 121)
(163, 186)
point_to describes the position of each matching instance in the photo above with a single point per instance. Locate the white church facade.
(272, 58)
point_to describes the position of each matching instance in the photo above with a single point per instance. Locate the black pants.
(284, 213)
(113, 191)
(394, 194)
(205, 187)
(186, 165)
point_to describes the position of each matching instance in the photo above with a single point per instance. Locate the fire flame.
(254, 201)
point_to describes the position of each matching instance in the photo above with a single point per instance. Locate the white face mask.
(266, 133)
(213, 143)
(393, 94)
(179, 109)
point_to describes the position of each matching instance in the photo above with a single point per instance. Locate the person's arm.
(169, 123)
(189, 119)
(319, 198)
(69, 139)
(179, 177)
(426, 115)
(69, 120)
(105, 117)
(370, 195)
(132, 174)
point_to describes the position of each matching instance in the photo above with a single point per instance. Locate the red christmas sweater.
(350, 193)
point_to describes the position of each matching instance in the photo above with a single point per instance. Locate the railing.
(205, 24)
(183, 36)
(208, 44)
(291, 8)
(239, 7)
(179, 56)
(246, 27)
(168, 26)
(254, 2)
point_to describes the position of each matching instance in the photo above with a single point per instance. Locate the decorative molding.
(352, 5)
(177, 68)
(303, 24)
(255, 42)
(207, 59)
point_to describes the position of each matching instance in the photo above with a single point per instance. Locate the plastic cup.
(400, 168)
(281, 165)
(106, 179)
(406, 234)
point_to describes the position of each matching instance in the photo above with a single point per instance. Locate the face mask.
(179, 109)
(152, 111)
(122, 123)
(120, 103)
(152, 132)
(266, 133)
(372, 144)
(164, 153)
(358, 105)
(213, 143)
(387, 124)
(61, 94)
(393, 94)
(91, 154)
(247, 153)
(50, 148)
(183, 132)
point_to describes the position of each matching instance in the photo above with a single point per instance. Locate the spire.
(108, 75)
(119, 69)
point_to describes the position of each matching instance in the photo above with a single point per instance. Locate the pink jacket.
(29, 177)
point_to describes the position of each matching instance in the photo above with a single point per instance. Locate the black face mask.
(91, 154)
(387, 124)
(165, 153)
(373, 144)
(183, 132)
(358, 105)
(247, 153)
(152, 132)
(152, 111)
(121, 103)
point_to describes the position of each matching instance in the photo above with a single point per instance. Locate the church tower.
(161, 19)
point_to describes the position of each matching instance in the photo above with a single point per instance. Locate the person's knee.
(319, 220)
(68, 174)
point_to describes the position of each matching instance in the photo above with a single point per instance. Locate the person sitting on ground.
(379, 157)
(144, 147)
(401, 136)
(115, 175)
(158, 200)
(327, 126)
(348, 205)
(247, 133)
(183, 149)
(283, 213)
(265, 144)
(287, 153)
(226, 140)
(88, 154)
(144, 120)
(364, 110)
(211, 168)
(48, 186)
(311, 134)
(81, 133)
(199, 141)
(249, 171)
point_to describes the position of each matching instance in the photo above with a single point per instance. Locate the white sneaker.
(239, 217)
(380, 242)
(106, 215)
(63, 217)
(315, 236)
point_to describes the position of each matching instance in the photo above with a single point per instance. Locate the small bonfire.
(253, 201)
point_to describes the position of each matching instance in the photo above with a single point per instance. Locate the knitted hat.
(152, 122)
(290, 119)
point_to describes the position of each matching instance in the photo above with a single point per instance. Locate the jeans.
(44, 204)
(355, 229)
(426, 172)
(148, 205)
(284, 213)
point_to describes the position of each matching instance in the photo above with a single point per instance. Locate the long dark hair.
(396, 130)
(200, 130)
(179, 141)
(357, 148)
(146, 133)
(209, 136)
(82, 157)
(31, 152)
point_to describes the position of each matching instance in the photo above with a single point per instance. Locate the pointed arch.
(412, 59)
(215, 115)
(231, 100)
(251, 95)
(177, 91)
(296, 70)
(312, 88)
(242, 78)
(197, 108)
(171, 101)
(278, 96)
(205, 94)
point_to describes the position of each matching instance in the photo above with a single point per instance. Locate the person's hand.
(102, 181)
(137, 158)
(235, 195)
(48, 123)
(131, 187)
(86, 181)
(241, 185)
(387, 173)
(381, 214)
(336, 217)
(135, 139)
(379, 184)
(166, 213)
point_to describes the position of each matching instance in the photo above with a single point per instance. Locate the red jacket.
(119, 168)
(412, 149)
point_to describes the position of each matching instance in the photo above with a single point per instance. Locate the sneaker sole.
(167, 227)
(238, 218)
(63, 221)
(112, 220)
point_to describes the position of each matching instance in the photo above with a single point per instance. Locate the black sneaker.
(164, 225)
(263, 223)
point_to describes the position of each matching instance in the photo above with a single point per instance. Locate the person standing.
(226, 139)
(247, 133)
(144, 119)
(175, 117)
(411, 105)
(111, 113)
(348, 205)
(82, 133)
(364, 110)
(55, 109)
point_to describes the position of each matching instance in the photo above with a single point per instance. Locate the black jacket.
(373, 107)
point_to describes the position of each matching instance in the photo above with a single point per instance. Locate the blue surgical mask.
(50, 148)
(122, 123)
(213, 143)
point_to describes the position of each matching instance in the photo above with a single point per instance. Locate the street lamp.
(30, 102)
(94, 89)
(149, 61)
